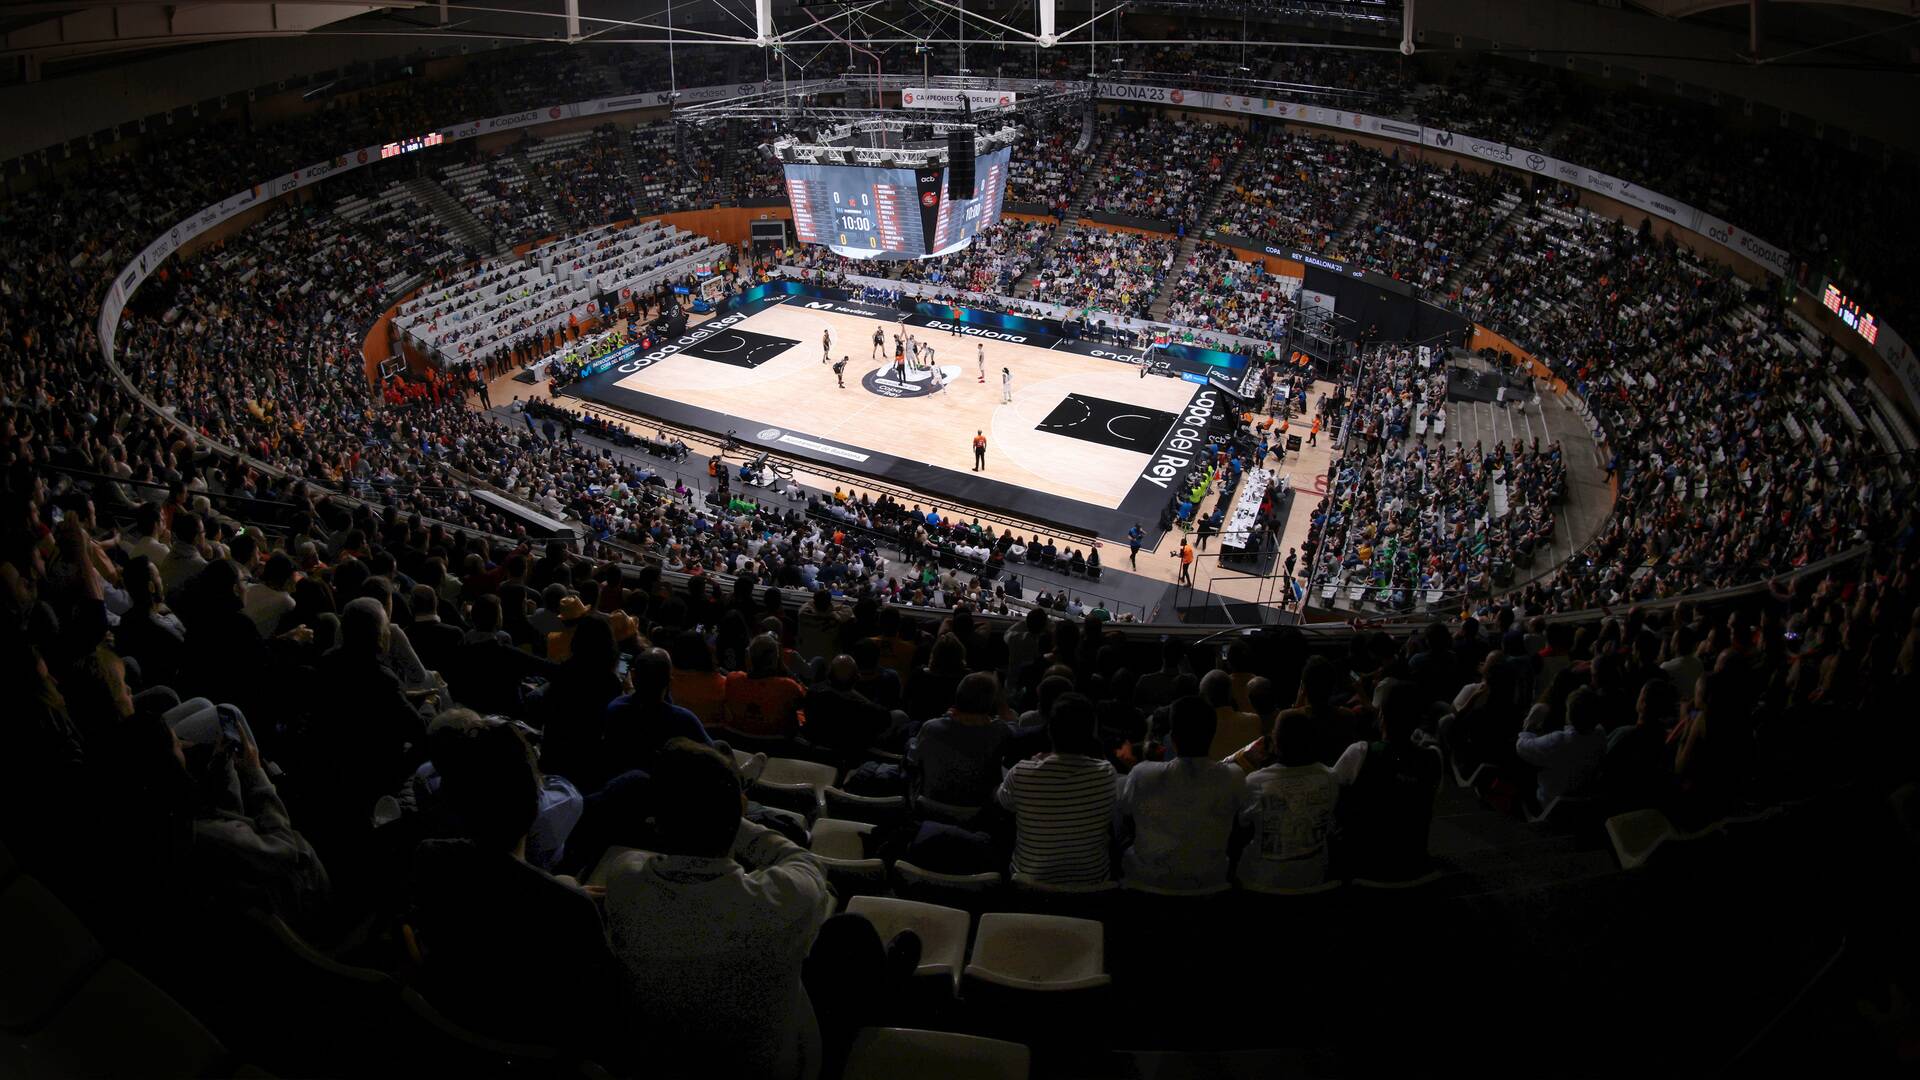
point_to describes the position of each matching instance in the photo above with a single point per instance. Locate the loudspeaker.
(960, 165)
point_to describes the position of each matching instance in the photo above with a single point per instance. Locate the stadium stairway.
(1095, 159)
(1231, 176)
(454, 216)
(1336, 242)
(545, 191)
(1510, 204)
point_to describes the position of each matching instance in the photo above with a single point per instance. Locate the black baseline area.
(741, 348)
(1108, 423)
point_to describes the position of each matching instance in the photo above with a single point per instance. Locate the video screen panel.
(859, 208)
(868, 212)
(962, 219)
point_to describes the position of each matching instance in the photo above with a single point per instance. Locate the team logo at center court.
(886, 380)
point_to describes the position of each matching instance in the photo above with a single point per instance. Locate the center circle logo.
(768, 434)
(886, 381)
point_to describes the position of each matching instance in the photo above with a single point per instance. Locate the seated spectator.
(930, 691)
(1637, 770)
(270, 599)
(839, 717)
(1384, 816)
(1291, 810)
(1063, 802)
(642, 721)
(245, 846)
(712, 928)
(436, 641)
(365, 736)
(762, 701)
(880, 685)
(819, 632)
(1233, 729)
(1182, 810)
(531, 963)
(1569, 757)
(571, 710)
(697, 687)
(955, 758)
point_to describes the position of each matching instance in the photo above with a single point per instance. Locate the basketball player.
(840, 371)
(879, 343)
(900, 357)
(980, 355)
(826, 346)
(1006, 386)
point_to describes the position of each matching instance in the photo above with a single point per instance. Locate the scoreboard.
(864, 212)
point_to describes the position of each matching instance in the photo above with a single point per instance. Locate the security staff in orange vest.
(1185, 555)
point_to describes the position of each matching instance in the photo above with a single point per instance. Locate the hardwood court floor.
(795, 390)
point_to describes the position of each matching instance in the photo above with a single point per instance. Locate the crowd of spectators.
(1425, 223)
(1045, 171)
(1405, 517)
(992, 263)
(1298, 189)
(1104, 270)
(1161, 170)
(1218, 292)
(586, 179)
(357, 725)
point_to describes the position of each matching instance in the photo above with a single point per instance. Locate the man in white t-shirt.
(1182, 810)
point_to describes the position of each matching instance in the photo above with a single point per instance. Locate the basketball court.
(1086, 444)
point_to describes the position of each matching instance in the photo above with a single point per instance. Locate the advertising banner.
(920, 97)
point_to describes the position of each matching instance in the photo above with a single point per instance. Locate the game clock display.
(864, 212)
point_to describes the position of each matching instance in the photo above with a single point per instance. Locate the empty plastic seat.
(792, 783)
(48, 953)
(942, 930)
(842, 852)
(875, 809)
(840, 840)
(1636, 835)
(911, 875)
(934, 810)
(1039, 952)
(887, 1053)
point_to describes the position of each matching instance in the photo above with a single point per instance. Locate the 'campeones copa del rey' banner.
(1775, 259)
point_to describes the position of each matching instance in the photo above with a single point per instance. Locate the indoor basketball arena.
(1101, 499)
